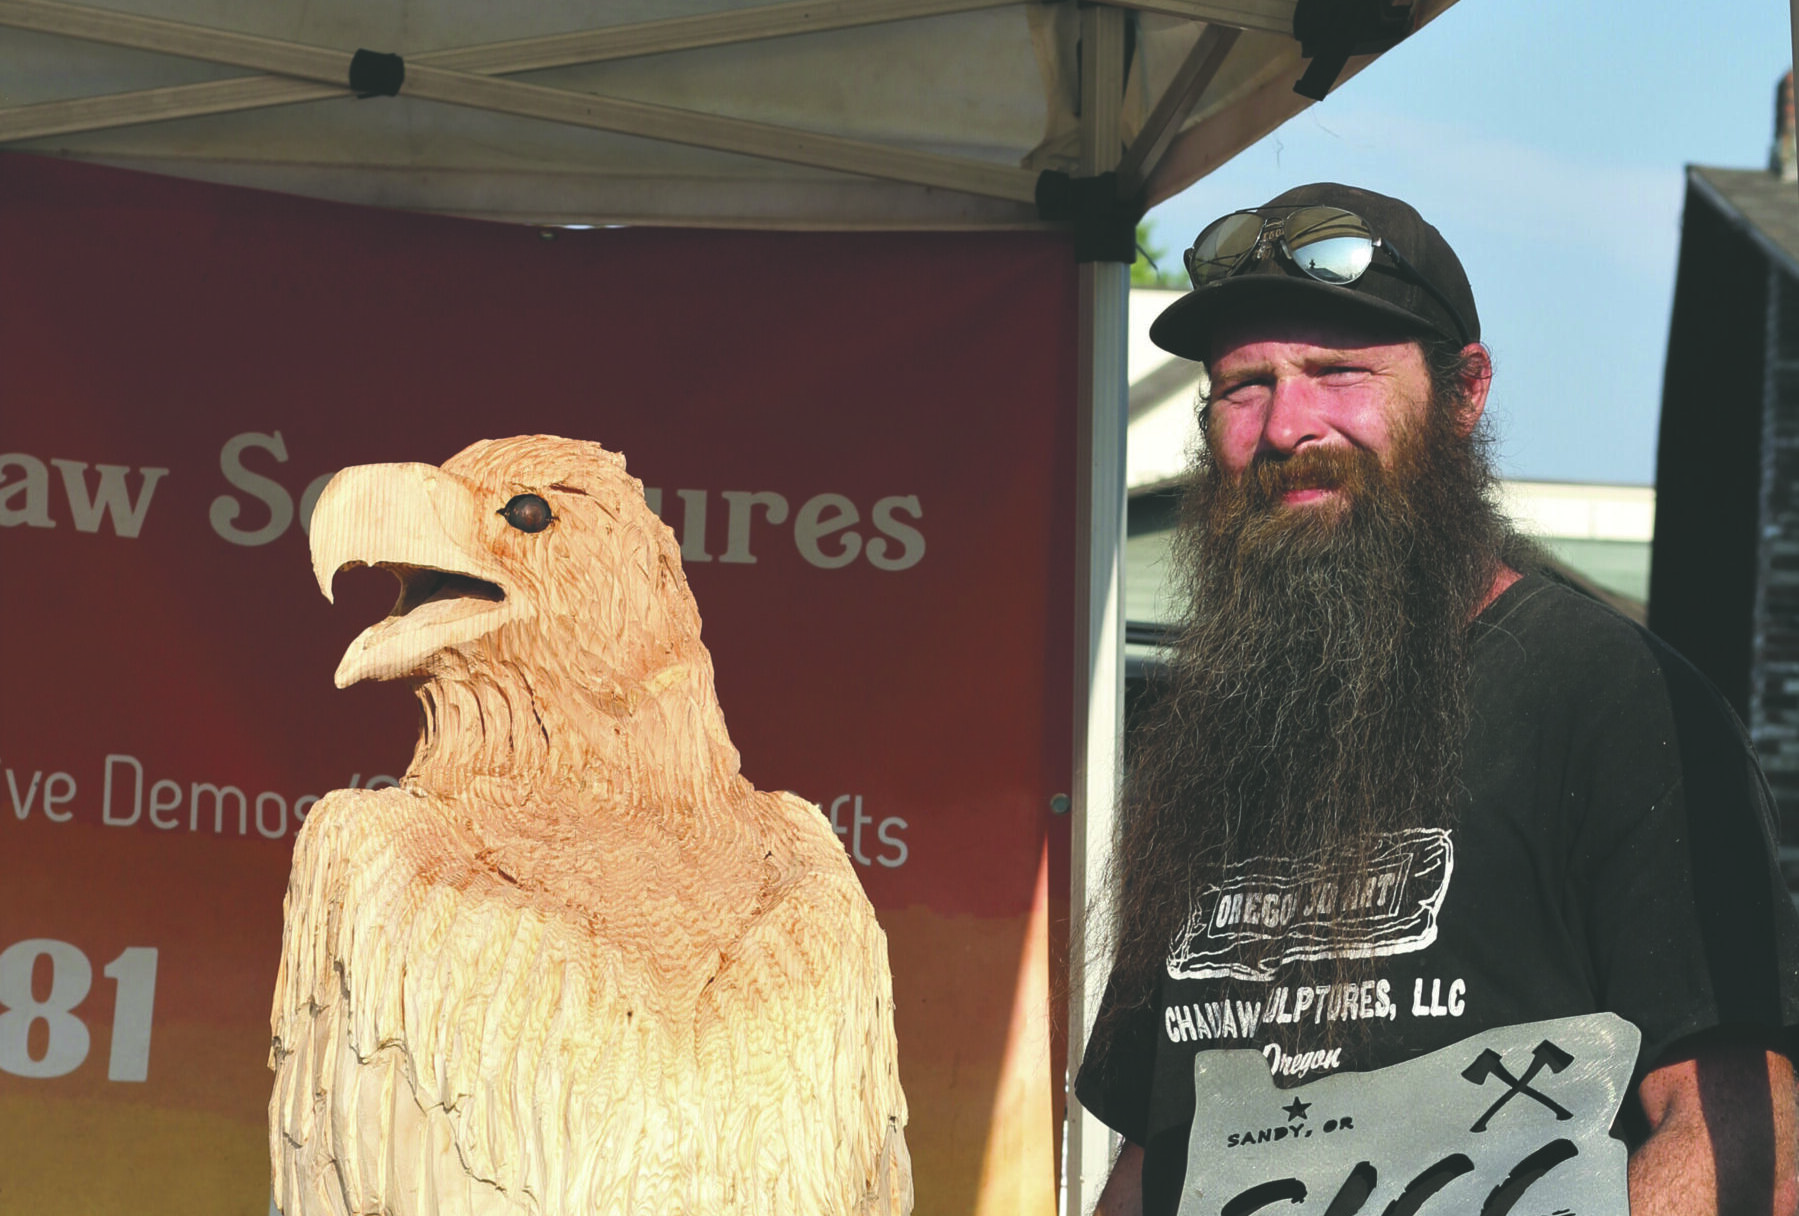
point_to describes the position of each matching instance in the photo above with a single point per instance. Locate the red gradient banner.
(863, 441)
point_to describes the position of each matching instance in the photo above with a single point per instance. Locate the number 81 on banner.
(65, 1048)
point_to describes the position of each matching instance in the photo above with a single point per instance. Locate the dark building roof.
(1708, 476)
(1762, 204)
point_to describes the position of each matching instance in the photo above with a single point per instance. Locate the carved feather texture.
(575, 963)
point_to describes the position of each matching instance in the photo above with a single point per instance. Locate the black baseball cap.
(1273, 285)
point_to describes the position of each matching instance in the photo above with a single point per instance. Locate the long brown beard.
(1318, 695)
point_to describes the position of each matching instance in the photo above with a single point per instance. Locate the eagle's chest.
(655, 916)
(523, 1020)
(601, 953)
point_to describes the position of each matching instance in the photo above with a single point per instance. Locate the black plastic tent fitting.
(376, 74)
(1105, 226)
(1330, 31)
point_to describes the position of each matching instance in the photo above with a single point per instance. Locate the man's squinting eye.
(1232, 388)
(527, 513)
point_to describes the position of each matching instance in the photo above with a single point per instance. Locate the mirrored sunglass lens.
(1222, 246)
(1328, 243)
(1319, 223)
(1335, 259)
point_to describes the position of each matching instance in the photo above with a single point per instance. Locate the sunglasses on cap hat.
(1327, 244)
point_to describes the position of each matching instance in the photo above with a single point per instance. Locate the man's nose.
(1295, 417)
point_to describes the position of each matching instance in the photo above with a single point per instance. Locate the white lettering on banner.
(111, 497)
(128, 797)
(743, 505)
(22, 809)
(209, 806)
(52, 799)
(892, 823)
(158, 804)
(134, 971)
(911, 539)
(57, 790)
(280, 803)
(26, 498)
(822, 528)
(71, 975)
(225, 509)
(272, 494)
(65, 1047)
(119, 810)
(825, 518)
(813, 525)
(219, 794)
(259, 510)
(887, 832)
(693, 524)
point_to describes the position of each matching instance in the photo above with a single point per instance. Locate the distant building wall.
(1600, 532)
(1774, 680)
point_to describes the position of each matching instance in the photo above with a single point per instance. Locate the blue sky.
(1548, 142)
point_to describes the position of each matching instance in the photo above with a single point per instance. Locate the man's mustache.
(1336, 467)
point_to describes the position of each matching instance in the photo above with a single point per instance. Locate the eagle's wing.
(364, 1116)
(805, 1002)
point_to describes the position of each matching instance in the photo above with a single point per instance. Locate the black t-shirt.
(1614, 850)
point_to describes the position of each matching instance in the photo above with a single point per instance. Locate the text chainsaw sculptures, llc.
(574, 962)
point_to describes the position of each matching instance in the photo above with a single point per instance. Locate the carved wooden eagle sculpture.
(574, 962)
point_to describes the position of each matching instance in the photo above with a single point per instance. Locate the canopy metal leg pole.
(1099, 701)
(1099, 614)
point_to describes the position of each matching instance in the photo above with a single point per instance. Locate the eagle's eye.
(527, 513)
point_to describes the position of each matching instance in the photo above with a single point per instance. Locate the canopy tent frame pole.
(1266, 16)
(113, 110)
(490, 59)
(462, 88)
(1191, 79)
(1101, 418)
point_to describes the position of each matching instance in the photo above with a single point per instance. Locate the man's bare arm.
(1723, 1136)
(1123, 1193)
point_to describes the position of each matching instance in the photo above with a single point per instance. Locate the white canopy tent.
(877, 114)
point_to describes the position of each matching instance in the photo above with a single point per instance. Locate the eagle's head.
(543, 612)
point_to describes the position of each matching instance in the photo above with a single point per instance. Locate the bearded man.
(1399, 785)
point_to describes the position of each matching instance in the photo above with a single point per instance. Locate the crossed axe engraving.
(1490, 1063)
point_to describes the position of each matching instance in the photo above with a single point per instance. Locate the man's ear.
(1474, 379)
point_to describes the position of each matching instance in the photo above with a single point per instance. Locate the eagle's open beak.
(425, 525)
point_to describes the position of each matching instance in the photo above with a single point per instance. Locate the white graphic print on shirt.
(1296, 914)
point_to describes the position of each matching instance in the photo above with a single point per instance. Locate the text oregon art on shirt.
(1265, 913)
